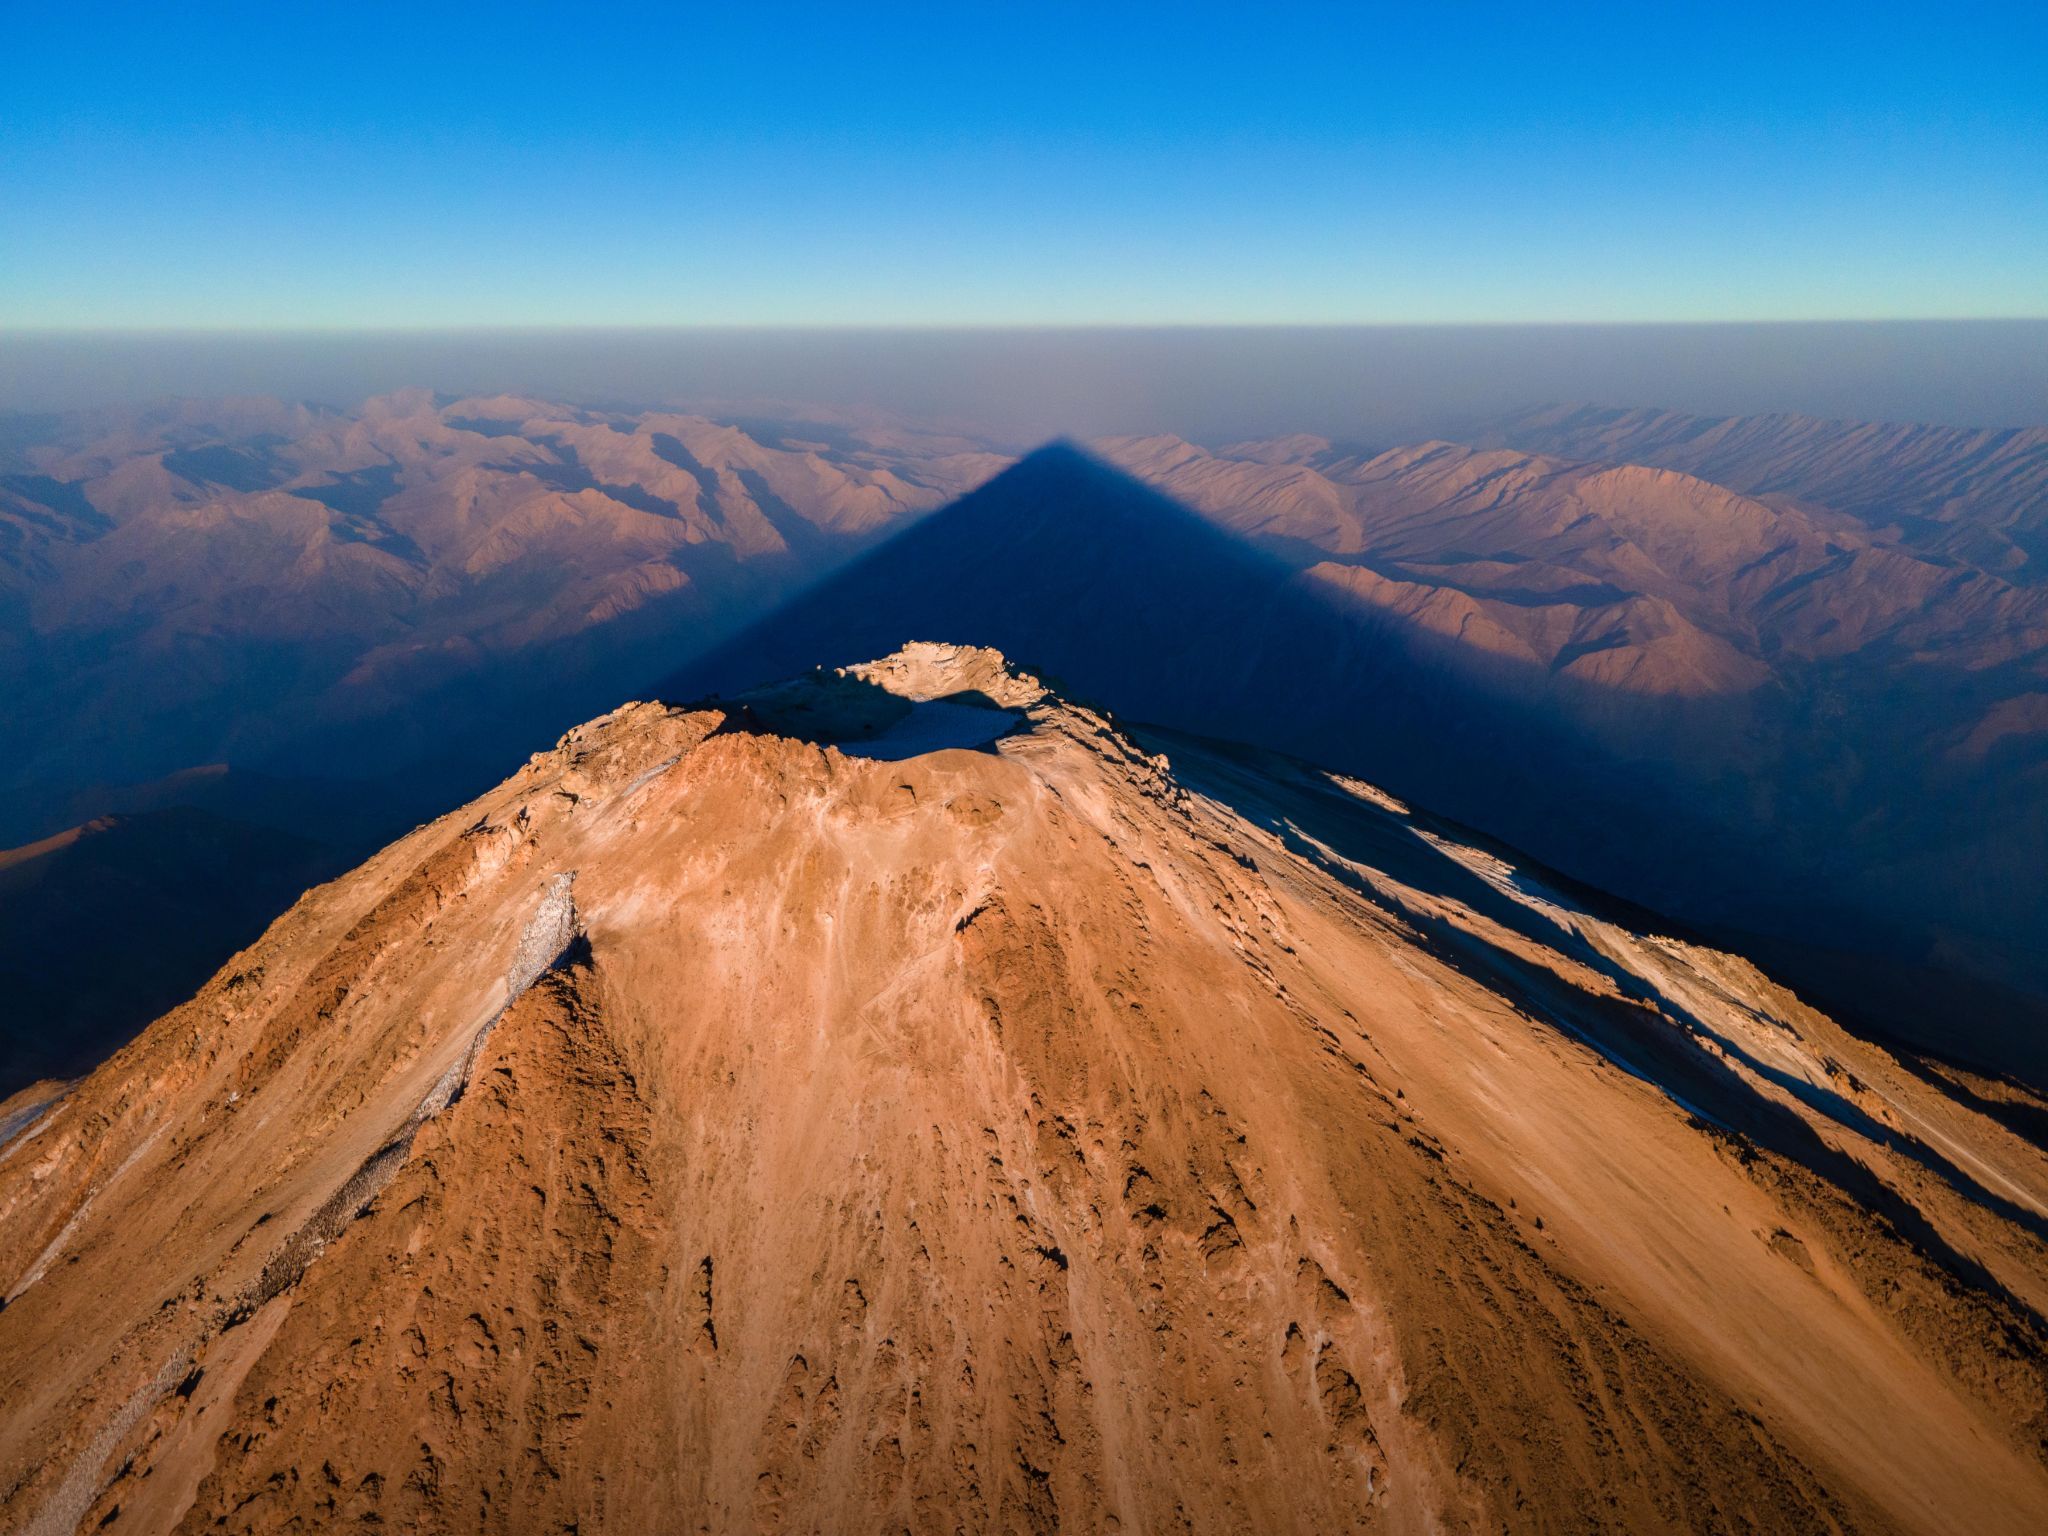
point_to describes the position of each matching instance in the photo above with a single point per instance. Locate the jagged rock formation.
(900, 1099)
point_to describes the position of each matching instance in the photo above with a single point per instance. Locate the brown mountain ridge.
(900, 1098)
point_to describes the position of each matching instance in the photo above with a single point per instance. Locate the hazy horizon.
(1369, 384)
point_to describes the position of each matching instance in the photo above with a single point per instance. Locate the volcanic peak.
(720, 1125)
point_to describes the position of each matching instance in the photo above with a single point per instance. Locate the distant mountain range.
(1781, 679)
(286, 587)
(1975, 496)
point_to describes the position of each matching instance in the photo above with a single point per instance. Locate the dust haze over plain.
(1372, 385)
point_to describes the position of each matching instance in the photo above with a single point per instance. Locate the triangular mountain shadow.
(1085, 573)
(1124, 597)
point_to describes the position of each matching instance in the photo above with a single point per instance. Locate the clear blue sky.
(1018, 164)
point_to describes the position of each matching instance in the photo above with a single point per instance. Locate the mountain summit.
(1129, 599)
(897, 1098)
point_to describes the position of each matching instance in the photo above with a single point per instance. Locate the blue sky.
(1030, 164)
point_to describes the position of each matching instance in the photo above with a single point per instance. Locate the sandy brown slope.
(988, 1123)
